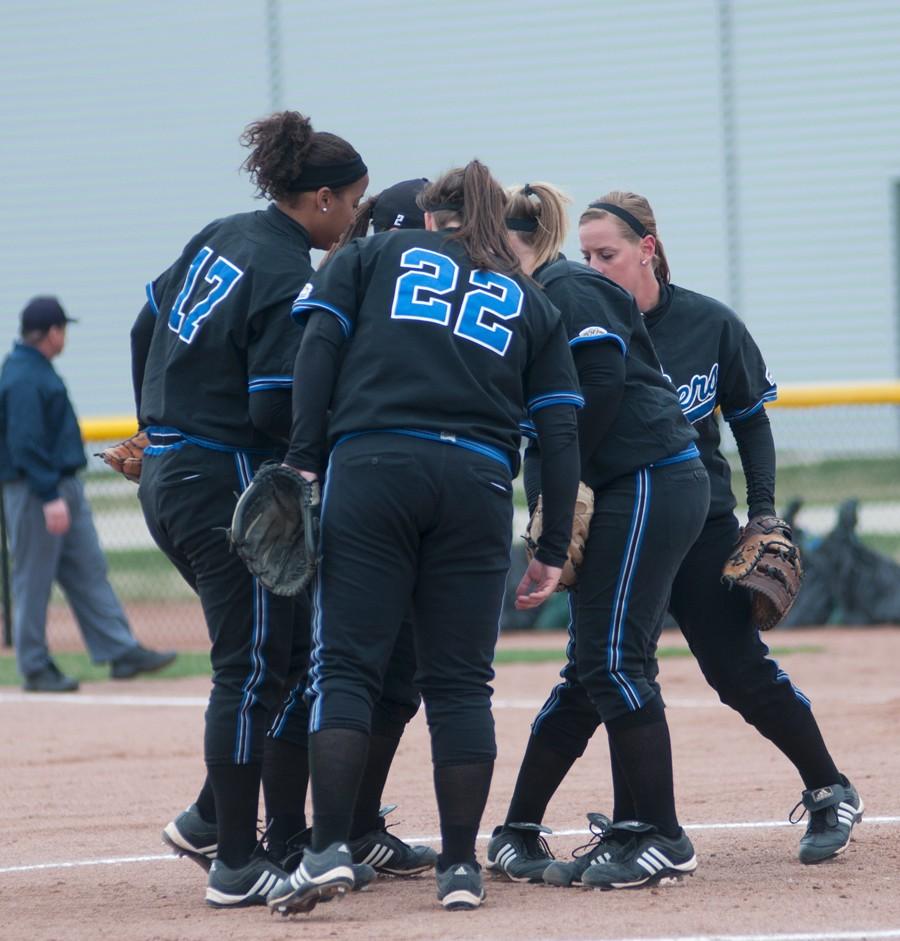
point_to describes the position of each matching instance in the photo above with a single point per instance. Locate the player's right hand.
(56, 517)
(538, 583)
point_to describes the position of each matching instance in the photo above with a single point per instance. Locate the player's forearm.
(601, 372)
(141, 337)
(560, 468)
(756, 448)
(315, 374)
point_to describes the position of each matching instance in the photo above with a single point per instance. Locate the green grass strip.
(550, 655)
(195, 663)
(191, 663)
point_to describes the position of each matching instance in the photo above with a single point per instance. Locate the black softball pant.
(409, 523)
(643, 524)
(717, 626)
(260, 642)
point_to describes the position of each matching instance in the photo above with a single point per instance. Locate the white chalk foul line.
(805, 936)
(429, 838)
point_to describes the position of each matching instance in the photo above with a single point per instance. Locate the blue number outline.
(419, 278)
(223, 275)
(470, 324)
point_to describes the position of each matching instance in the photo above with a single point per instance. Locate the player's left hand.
(538, 583)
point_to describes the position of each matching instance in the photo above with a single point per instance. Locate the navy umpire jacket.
(39, 435)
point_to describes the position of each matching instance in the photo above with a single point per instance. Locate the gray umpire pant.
(76, 561)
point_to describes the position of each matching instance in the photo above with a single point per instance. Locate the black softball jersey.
(223, 330)
(708, 353)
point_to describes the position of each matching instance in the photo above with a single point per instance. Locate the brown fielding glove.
(767, 563)
(125, 458)
(581, 521)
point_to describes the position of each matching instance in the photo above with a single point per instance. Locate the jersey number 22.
(430, 276)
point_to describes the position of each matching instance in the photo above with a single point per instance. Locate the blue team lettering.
(701, 389)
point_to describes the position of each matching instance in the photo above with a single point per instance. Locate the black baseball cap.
(396, 207)
(42, 313)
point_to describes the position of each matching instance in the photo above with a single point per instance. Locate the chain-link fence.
(827, 454)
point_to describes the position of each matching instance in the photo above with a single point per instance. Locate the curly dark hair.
(281, 145)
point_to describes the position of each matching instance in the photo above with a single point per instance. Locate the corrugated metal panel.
(122, 140)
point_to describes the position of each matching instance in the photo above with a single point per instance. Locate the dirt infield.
(90, 779)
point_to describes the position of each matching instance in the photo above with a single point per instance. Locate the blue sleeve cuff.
(262, 383)
(770, 396)
(151, 300)
(300, 309)
(555, 398)
(594, 338)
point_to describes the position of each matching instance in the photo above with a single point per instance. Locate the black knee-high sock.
(206, 802)
(336, 761)
(285, 774)
(793, 729)
(640, 741)
(540, 775)
(382, 749)
(236, 789)
(623, 802)
(461, 792)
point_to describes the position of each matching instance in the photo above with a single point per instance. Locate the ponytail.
(473, 198)
(537, 212)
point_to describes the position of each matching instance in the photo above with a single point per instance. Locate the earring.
(644, 262)
(324, 209)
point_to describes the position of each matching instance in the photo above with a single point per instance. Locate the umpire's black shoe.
(246, 885)
(49, 680)
(140, 660)
(833, 812)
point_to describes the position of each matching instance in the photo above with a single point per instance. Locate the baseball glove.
(767, 563)
(275, 528)
(581, 521)
(126, 457)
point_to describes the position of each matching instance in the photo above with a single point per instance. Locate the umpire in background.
(51, 529)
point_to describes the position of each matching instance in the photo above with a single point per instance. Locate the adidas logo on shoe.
(823, 793)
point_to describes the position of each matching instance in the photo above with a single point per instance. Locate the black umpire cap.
(42, 313)
(396, 207)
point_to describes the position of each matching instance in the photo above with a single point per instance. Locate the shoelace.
(536, 847)
(818, 819)
(600, 825)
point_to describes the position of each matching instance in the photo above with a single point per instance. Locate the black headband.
(520, 224)
(633, 222)
(332, 175)
(444, 207)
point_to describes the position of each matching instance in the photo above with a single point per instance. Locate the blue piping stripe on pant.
(260, 631)
(623, 588)
(315, 659)
(553, 699)
(782, 677)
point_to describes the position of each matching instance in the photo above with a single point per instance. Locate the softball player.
(651, 495)
(714, 363)
(212, 361)
(429, 346)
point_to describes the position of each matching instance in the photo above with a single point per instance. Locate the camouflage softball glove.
(767, 563)
(581, 521)
(126, 457)
(275, 528)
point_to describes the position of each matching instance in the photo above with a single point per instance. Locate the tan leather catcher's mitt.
(767, 563)
(581, 521)
(126, 457)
